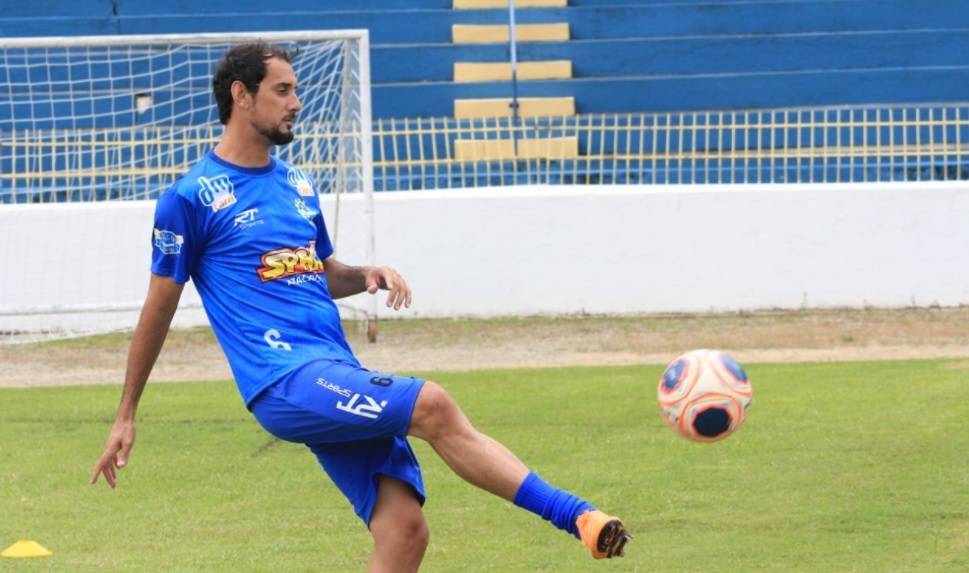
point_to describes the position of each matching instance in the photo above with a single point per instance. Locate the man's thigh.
(329, 402)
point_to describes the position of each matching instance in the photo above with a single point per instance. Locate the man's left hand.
(388, 279)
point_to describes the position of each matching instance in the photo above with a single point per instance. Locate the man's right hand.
(146, 343)
(116, 452)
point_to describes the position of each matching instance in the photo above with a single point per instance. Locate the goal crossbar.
(209, 38)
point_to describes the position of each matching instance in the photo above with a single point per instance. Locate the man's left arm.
(345, 280)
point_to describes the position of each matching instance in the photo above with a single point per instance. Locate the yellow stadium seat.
(497, 34)
(480, 4)
(501, 107)
(501, 71)
(502, 149)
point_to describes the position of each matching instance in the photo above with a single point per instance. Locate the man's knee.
(406, 535)
(435, 413)
(398, 527)
(416, 535)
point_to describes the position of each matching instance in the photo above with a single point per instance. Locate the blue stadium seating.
(714, 54)
(633, 58)
(432, 25)
(699, 92)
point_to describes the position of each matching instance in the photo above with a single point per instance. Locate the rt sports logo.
(290, 261)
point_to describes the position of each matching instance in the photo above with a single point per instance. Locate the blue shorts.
(354, 420)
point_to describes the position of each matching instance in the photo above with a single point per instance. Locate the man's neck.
(243, 149)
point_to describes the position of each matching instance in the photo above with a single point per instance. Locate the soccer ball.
(704, 395)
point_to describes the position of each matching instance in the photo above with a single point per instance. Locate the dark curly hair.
(245, 63)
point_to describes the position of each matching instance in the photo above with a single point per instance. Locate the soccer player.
(246, 227)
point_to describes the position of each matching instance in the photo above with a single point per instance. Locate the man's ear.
(241, 97)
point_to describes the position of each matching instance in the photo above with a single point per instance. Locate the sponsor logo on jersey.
(305, 210)
(358, 404)
(300, 279)
(300, 182)
(366, 408)
(324, 383)
(290, 262)
(246, 219)
(168, 242)
(217, 192)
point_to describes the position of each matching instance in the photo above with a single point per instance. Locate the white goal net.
(92, 129)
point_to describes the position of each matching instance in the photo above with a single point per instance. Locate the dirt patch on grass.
(428, 345)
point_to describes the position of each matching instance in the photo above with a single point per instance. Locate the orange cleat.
(604, 535)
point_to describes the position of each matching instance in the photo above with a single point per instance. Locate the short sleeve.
(175, 238)
(324, 248)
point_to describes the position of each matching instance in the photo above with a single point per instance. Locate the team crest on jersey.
(168, 242)
(305, 211)
(217, 192)
(300, 182)
(290, 262)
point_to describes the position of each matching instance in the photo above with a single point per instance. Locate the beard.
(276, 136)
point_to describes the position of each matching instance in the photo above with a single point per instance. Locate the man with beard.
(248, 230)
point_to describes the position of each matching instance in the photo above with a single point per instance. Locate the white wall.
(550, 250)
(627, 250)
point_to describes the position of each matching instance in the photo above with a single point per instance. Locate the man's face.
(275, 105)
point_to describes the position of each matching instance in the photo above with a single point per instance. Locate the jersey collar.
(247, 170)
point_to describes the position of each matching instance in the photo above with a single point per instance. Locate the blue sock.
(551, 503)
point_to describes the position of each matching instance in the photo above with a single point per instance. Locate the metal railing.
(808, 145)
(818, 145)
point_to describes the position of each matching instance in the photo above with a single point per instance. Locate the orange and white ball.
(704, 395)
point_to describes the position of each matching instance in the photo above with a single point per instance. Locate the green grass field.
(840, 467)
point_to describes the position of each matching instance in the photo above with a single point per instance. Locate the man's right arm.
(156, 317)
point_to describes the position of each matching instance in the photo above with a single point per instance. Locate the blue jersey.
(253, 241)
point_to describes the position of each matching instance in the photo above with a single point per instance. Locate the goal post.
(93, 128)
